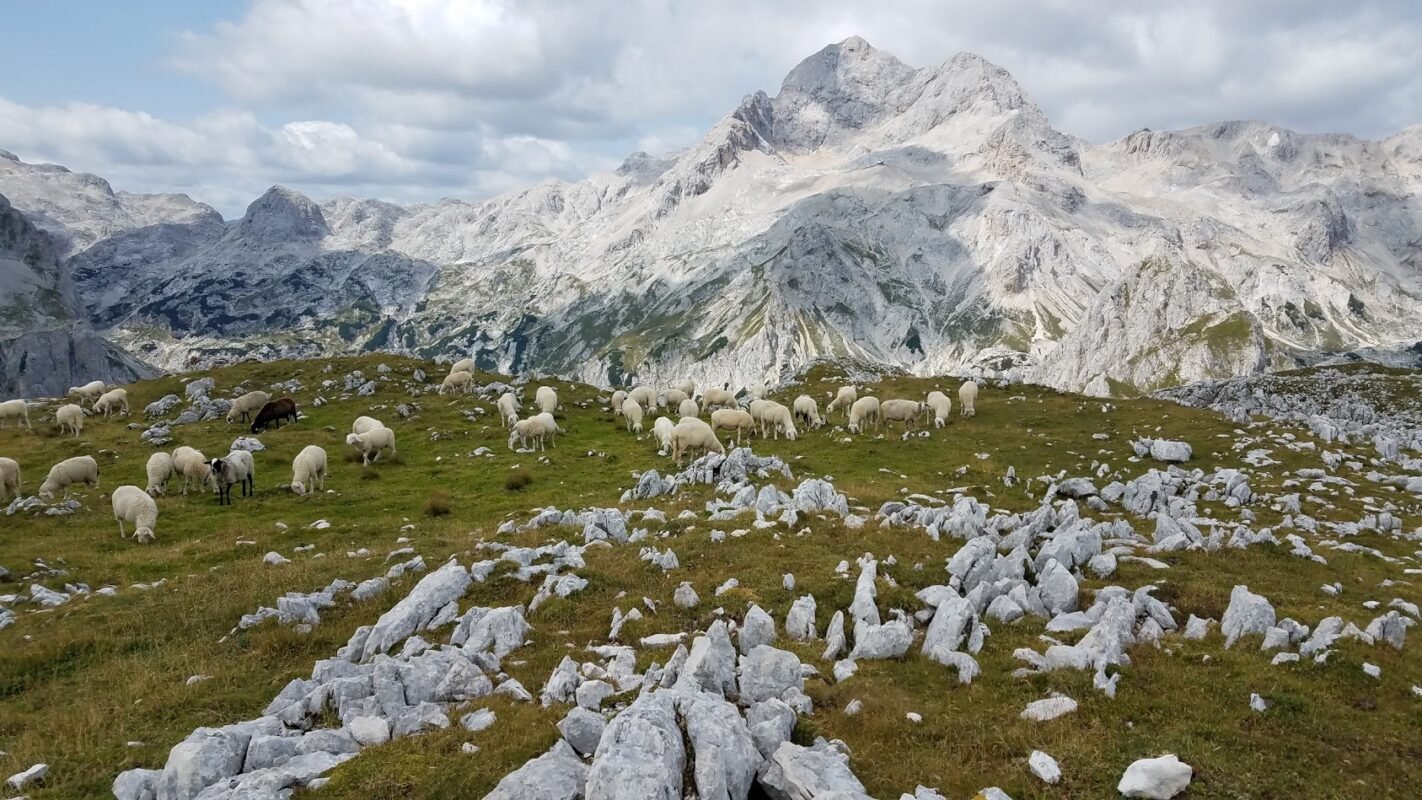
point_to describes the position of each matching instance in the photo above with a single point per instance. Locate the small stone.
(1044, 767)
(1155, 778)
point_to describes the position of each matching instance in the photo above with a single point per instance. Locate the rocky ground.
(1049, 599)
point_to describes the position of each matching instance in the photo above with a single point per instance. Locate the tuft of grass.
(518, 480)
(438, 504)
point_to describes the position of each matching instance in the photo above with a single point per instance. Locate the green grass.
(79, 682)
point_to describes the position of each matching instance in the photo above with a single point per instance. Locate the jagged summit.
(283, 214)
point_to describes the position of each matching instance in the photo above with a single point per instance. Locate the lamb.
(79, 469)
(843, 399)
(363, 424)
(247, 405)
(89, 391)
(308, 469)
(537, 428)
(693, 434)
(376, 440)
(645, 397)
(546, 399)
(687, 408)
(160, 471)
(686, 387)
(456, 381)
(779, 420)
(71, 418)
(632, 411)
(672, 398)
(864, 410)
(274, 411)
(941, 406)
(9, 479)
(193, 466)
(967, 395)
(134, 506)
(905, 411)
(617, 398)
(112, 400)
(717, 398)
(235, 467)
(15, 409)
(508, 406)
(807, 409)
(462, 365)
(732, 419)
(661, 432)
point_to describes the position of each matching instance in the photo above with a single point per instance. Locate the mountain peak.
(283, 214)
(844, 86)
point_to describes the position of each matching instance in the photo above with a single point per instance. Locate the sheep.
(632, 412)
(193, 466)
(247, 405)
(89, 391)
(864, 410)
(905, 411)
(693, 434)
(235, 467)
(807, 409)
(308, 469)
(546, 399)
(456, 381)
(645, 397)
(15, 409)
(508, 409)
(843, 399)
(617, 398)
(274, 411)
(967, 395)
(757, 390)
(686, 387)
(160, 471)
(537, 428)
(374, 441)
(71, 418)
(717, 398)
(941, 407)
(79, 469)
(462, 365)
(550, 426)
(733, 419)
(672, 398)
(363, 424)
(661, 432)
(779, 420)
(9, 479)
(134, 506)
(757, 408)
(112, 400)
(687, 408)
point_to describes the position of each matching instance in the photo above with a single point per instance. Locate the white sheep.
(546, 399)
(661, 432)
(864, 410)
(134, 506)
(9, 479)
(508, 406)
(687, 408)
(805, 408)
(778, 419)
(645, 397)
(757, 409)
(686, 387)
(376, 440)
(462, 365)
(632, 412)
(247, 405)
(537, 428)
(15, 409)
(672, 398)
(160, 471)
(550, 427)
(843, 399)
(89, 391)
(71, 418)
(363, 424)
(112, 401)
(717, 398)
(905, 411)
(236, 467)
(967, 395)
(617, 398)
(193, 466)
(308, 469)
(79, 469)
(758, 390)
(460, 381)
(941, 407)
(693, 434)
(733, 419)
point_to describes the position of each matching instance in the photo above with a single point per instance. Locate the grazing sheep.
(733, 419)
(617, 398)
(967, 395)
(551, 428)
(71, 418)
(672, 398)
(686, 387)
(538, 429)
(693, 434)
(456, 381)
(717, 398)
(112, 400)
(941, 407)
(247, 405)
(778, 419)
(508, 409)
(15, 409)
(79, 469)
(376, 440)
(661, 432)
(687, 408)
(134, 506)
(645, 397)
(462, 365)
(757, 409)
(193, 466)
(236, 467)
(546, 399)
(758, 390)
(89, 391)
(632, 412)
(843, 399)
(274, 411)
(363, 424)
(805, 408)
(9, 479)
(160, 471)
(308, 469)
(864, 410)
(905, 411)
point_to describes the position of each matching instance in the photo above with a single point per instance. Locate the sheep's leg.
(122, 534)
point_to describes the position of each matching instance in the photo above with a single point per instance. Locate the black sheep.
(274, 412)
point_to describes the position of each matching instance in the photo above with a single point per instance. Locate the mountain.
(928, 219)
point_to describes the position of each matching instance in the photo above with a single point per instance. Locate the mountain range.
(924, 219)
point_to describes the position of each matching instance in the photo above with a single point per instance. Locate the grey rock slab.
(641, 755)
(793, 772)
(583, 730)
(726, 758)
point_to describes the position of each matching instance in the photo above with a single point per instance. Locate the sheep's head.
(352, 439)
(46, 492)
(144, 535)
(256, 426)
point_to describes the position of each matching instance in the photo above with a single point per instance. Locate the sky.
(416, 100)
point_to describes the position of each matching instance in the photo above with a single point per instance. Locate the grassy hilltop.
(81, 682)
